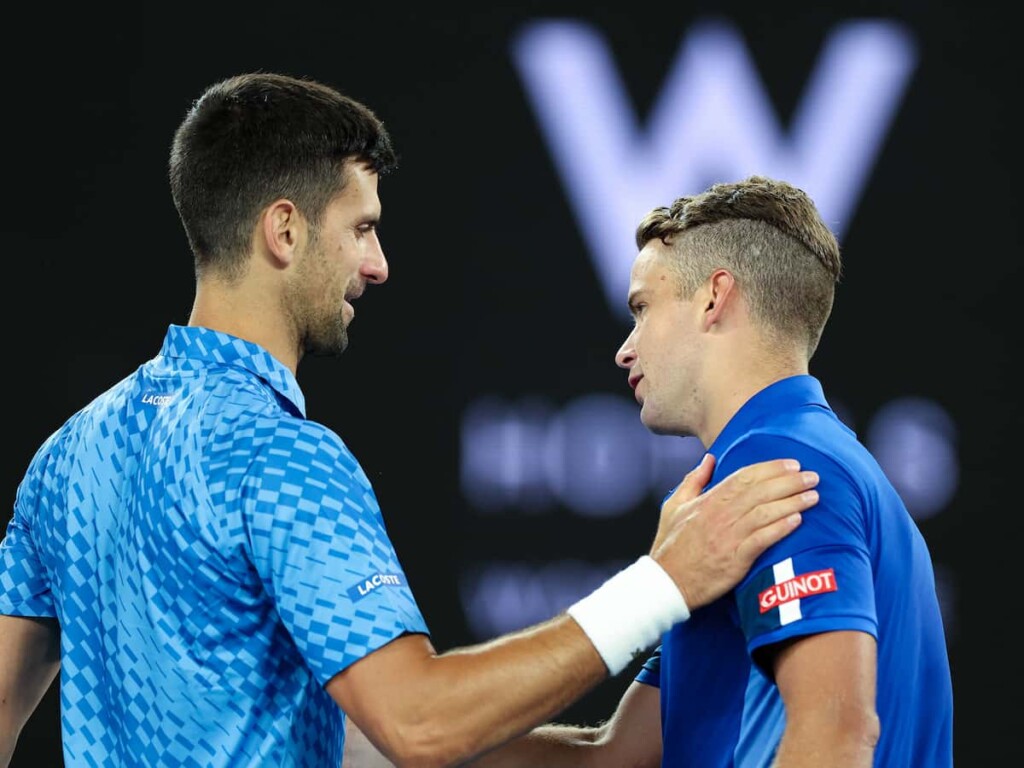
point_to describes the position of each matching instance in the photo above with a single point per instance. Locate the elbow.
(426, 745)
(870, 730)
(428, 758)
(413, 756)
(849, 737)
(862, 727)
(859, 732)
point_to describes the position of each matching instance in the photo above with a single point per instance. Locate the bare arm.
(827, 683)
(422, 708)
(29, 661)
(631, 738)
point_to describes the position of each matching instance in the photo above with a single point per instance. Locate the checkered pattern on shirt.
(202, 545)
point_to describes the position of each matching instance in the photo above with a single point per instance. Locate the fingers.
(771, 521)
(760, 497)
(709, 542)
(756, 543)
(764, 483)
(752, 474)
(760, 539)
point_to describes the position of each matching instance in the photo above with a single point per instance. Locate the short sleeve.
(650, 672)
(818, 578)
(319, 543)
(25, 588)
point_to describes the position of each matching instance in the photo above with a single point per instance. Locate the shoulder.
(842, 513)
(305, 450)
(828, 457)
(300, 438)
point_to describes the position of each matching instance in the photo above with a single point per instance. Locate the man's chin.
(328, 347)
(654, 424)
(648, 419)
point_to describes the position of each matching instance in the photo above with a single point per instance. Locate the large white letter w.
(711, 122)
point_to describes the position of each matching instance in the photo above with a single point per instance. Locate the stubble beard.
(327, 335)
(323, 332)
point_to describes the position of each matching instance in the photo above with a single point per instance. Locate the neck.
(730, 386)
(239, 311)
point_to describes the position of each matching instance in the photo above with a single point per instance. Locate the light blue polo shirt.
(213, 558)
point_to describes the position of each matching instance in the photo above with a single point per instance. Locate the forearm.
(631, 737)
(471, 700)
(425, 709)
(551, 746)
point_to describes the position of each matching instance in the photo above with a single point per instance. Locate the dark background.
(492, 292)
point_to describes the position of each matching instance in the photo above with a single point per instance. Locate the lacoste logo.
(378, 580)
(159, 400)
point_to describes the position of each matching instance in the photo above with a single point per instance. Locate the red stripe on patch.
(814, 583)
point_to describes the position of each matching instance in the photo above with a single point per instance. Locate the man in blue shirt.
(831, 652)
(209, 570)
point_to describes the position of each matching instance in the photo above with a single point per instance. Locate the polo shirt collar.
(778, 397)
(209, 346)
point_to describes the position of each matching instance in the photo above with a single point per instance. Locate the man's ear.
(719, 294)
(282, 227)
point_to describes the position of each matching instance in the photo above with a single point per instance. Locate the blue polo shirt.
(213, 558)
(858, 562)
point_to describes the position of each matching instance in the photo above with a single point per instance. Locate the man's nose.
(375, 269)
(626, 355)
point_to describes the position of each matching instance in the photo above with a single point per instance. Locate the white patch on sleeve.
(788, 612)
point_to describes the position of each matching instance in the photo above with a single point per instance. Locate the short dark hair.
(256, 137)
(770, 235)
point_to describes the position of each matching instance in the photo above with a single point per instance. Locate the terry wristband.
(630, 612)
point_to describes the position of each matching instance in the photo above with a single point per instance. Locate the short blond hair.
(770, 235)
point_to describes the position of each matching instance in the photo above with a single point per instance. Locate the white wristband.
(630, 612)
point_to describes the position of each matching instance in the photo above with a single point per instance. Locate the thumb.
(695, 480)
(689, 489)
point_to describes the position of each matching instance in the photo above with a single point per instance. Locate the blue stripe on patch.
(754, 622)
